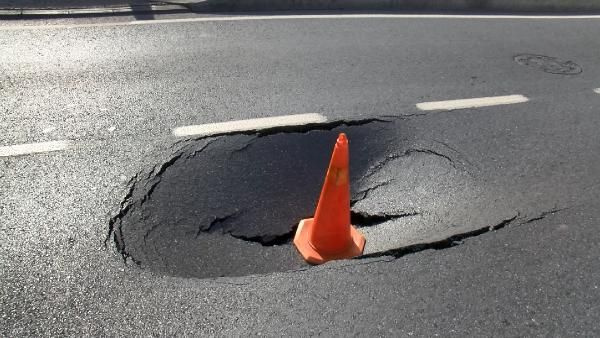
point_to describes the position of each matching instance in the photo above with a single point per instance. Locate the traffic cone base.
(302, 242)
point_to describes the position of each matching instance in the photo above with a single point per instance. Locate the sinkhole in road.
(229, 205)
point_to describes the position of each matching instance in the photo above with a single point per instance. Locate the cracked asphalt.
(481, 221)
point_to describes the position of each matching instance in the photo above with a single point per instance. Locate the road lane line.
(472, 103)
(597, 90)
(32, 148)
(300, 17)
(246, 125)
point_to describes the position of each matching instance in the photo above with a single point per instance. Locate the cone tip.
(342, 139)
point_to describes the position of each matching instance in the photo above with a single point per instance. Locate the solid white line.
(31, 148)
(246, 125)
(301, 17)
(472, 103)
(597, 90)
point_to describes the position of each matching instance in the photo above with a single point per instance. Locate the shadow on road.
(142, 11)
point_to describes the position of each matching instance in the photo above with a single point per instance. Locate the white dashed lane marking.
(32, 148)
(472, 103)
(246, 125)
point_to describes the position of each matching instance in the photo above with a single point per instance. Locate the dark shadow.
(142, 11)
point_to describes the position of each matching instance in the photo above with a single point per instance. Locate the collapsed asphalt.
(228, 205)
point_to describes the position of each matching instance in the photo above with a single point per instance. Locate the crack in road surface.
(442, 243)
(407, 153)
(457, 239)
(359, 219)
(544, 215)
(364, 219)
(364, 194)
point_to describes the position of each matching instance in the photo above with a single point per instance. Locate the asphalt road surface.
(123, 214)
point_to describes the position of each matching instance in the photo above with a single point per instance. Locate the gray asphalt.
(506, 240)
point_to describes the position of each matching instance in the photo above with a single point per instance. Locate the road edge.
(212, 6)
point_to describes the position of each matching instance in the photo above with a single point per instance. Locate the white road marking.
(251, 124)
(597, 90)
(301, 17)
(31, 148)
(472, 103)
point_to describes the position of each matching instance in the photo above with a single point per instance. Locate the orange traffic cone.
(329, 235)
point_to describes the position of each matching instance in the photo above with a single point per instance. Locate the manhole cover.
(548, 64)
